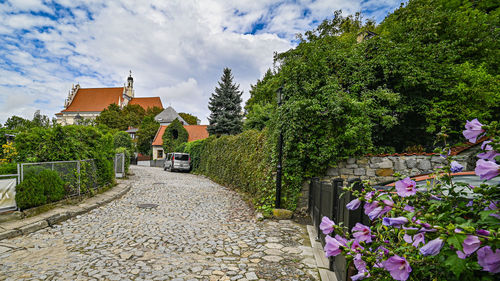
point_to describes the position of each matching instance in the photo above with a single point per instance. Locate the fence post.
(336, 185)
(311, 200)
(22, 172)
(318, 222)
(78, 169)
(355, 215)
(18, 174)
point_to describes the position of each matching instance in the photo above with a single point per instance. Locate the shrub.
(38, 188)
(174, 135)
(241, 161)
(8, 168)
(447, 231)
(122, 139)
(103, 155)
(194, 148)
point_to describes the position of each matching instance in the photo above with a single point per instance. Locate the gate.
(119, 165)
(8, 191)
(325, 200)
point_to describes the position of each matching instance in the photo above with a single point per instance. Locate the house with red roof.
(87, 103)
(195, 132)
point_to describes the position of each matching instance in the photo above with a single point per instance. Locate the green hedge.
(39, 187)
(8, 168)
(62, 143)
(241, 161)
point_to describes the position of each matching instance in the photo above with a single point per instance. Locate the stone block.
(351, 160)
(10, 234)
(11, 216)
(437, 159)
(411, 163)
(376, 160)
(34, 227)
(370, 172)
(414, 172)
(424, 165)
(345, 171)
(359, 172)
(57, 218)
(399, 165)
(362, 161)
(384, 172)
(282, 214)
(332, 172)
(385, 164)
(351, 166)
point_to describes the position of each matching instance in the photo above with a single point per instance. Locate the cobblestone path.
(199, 231)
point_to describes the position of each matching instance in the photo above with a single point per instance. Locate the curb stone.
(65, 214)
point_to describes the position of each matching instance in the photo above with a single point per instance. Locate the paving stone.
(199, 231)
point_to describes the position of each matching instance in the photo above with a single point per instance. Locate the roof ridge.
(102, 88)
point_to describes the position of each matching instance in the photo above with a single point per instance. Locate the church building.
(87, 103)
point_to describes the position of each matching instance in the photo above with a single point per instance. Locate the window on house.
(160, 154)
(175, 134)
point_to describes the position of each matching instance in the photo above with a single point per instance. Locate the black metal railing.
(325, 200)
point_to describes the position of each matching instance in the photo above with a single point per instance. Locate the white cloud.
(175, 49)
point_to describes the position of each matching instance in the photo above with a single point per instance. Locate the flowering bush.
(444, 231)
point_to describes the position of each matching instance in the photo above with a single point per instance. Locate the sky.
(176, 49)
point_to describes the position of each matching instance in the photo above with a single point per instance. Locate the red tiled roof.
(147, 102)
(159, 135)
(94, 99)
(196, 132)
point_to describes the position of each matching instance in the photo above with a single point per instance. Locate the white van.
(177, 161)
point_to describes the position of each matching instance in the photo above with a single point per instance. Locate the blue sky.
(175, 49)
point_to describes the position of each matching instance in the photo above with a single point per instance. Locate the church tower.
(128, 90)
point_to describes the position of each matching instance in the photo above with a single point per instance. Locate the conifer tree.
(225, 106)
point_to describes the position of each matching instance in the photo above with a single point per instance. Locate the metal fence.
(119, 165)
(79, 176)
(325, 200)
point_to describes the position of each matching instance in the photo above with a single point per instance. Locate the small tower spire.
(128, 91)
(130, 80)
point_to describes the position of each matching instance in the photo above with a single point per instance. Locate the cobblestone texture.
(199, 231)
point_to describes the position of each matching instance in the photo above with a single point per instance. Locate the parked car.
(177, 161)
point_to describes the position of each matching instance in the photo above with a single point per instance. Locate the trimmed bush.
(8, 168)
(241, 161)
(175, 135)
(38, 188)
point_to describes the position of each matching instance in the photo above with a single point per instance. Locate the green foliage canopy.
(111, 117)
(146, 134)
(190, 119)
(174, 135)
(429, 64)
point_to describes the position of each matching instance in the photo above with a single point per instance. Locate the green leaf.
(455, 264)
(456, 240)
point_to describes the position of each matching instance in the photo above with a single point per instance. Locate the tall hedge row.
(242, 161)
(62, 143)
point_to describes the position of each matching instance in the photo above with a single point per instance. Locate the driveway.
(198, 231)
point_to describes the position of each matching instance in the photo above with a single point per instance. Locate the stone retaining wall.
(380, 169)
